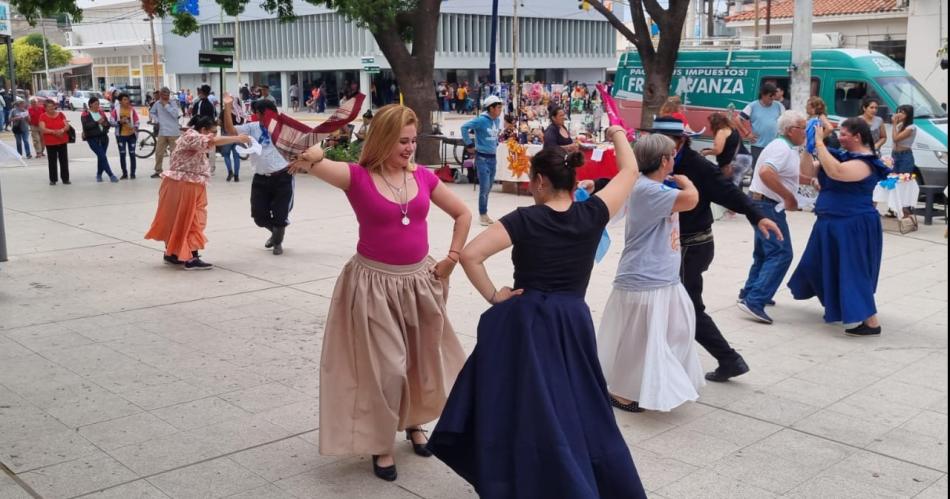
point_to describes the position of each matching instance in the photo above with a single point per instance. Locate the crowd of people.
(391, 361)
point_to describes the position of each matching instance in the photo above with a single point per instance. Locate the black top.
(554, 251)
(204, 107)
(730, 149)
(713, 188)
(553, 137)
(92, 128)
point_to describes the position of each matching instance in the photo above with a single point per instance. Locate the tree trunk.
(413, 71)
(416, 86)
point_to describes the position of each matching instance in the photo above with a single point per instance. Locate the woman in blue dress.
(529, 416)
(842, 261)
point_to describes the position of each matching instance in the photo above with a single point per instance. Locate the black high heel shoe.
(419, 449)
(388, 473)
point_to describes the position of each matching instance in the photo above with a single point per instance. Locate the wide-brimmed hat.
(667, 125)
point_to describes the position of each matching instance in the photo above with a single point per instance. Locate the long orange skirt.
(181, 217)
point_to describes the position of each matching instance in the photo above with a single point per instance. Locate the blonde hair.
(388, 123)
(671, 105)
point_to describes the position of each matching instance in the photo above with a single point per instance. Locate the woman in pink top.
(390, 356)
(182, 211)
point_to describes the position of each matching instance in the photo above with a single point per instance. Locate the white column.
(801, 54)
(284, 91)
(365, 83)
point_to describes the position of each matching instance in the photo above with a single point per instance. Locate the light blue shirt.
(269, 160)
(764, 120)
(167, 118)
(651, 254)
(486, 133)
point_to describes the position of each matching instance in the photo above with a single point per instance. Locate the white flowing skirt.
(647, 349)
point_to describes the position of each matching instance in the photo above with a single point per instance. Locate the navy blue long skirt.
(840, 266)
(529, 415)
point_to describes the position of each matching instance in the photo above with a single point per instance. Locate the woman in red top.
(55, 126)
(36, 110)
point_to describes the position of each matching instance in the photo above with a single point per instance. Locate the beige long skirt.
(390, 356)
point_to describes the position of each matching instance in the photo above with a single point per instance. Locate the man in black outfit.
(204, 107)
(696, 239)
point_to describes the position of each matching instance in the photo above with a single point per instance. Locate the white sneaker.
(485, 220)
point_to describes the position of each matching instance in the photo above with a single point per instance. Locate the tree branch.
(614, 21)
(645, 46)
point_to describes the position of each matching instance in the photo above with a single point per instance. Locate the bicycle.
(145, 142)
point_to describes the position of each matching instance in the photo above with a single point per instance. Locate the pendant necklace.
(401, 194)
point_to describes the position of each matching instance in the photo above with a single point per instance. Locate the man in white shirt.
(774, 183)
(272, 189)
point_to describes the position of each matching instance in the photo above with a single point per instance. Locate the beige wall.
(927, 33)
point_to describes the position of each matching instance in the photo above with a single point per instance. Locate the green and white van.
(719, 80)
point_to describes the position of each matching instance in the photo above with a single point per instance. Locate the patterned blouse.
(189, 162)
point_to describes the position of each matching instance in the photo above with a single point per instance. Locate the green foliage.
(374, 15)
(28, 57)
(349, 153)
(57, 55)
(33, 10)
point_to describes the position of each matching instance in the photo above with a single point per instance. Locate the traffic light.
(584, 5)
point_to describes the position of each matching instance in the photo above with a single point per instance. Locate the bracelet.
(492, 299)
(449, 258)
(454, 251)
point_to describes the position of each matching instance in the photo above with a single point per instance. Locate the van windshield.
(903, 90)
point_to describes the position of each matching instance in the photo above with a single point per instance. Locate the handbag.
(71, 134)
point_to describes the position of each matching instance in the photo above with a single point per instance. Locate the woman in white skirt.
(390, 356)
(645, 342)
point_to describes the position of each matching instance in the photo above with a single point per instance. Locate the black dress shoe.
(631, 407)
(724, 372)
(388, 473)
(863, 330)
(419, 449)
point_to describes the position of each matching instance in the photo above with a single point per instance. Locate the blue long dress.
(842, 260)
(529, 416)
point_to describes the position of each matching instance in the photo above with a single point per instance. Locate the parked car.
(48, 94)
(79, 100)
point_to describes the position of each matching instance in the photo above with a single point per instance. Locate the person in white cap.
(486, 126)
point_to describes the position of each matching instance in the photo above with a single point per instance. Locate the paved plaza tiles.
(121, 377)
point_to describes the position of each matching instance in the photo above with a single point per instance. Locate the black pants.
(696, 260)
(272, 198)
(58, 154)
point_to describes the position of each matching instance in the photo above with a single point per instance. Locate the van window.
(785, 83)
(848, 97)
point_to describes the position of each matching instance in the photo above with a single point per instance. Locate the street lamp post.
(45, 56)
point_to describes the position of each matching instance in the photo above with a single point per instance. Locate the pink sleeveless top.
(383, 237)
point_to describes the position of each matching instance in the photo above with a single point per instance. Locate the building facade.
(556, 43)
(117, 39)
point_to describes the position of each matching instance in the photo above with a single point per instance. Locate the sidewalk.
(121, 377)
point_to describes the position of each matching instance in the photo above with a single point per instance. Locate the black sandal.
(631, 407)
(419, 449)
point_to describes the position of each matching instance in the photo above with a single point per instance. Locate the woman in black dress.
(529, 416)
(556, 134)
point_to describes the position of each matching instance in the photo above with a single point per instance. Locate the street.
(121, 377)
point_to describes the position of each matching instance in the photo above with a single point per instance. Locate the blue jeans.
(24, 139)
(231, 157)
(770, 259)
(126, 145)
(100, 146)
(485, 167)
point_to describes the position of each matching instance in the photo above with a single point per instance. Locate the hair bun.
(574, 160)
